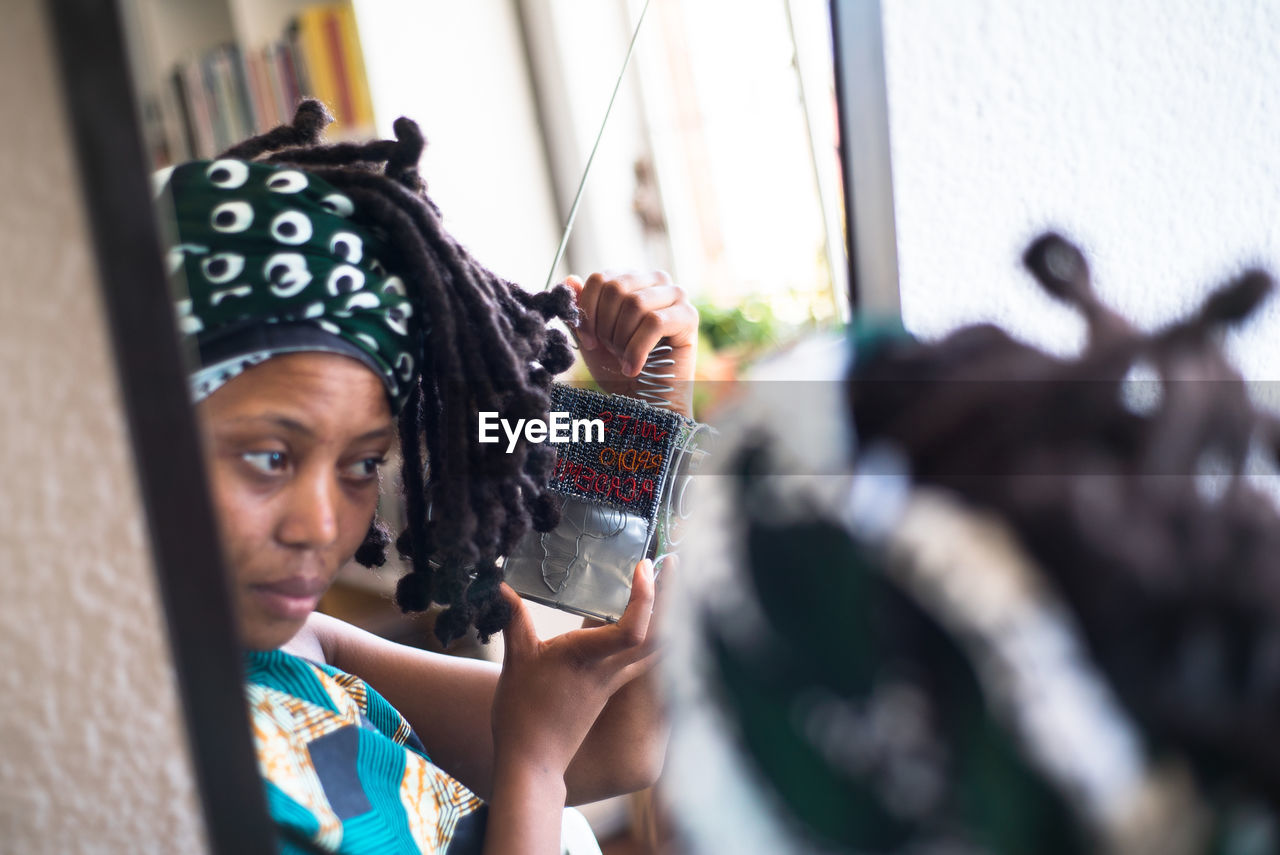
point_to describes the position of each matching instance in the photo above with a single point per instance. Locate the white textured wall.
(92, 749)
(1149, 130)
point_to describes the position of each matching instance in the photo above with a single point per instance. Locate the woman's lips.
(292, 599)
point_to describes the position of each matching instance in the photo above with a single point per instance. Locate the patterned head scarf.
(265, 260)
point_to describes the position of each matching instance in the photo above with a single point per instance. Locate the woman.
(326, 301)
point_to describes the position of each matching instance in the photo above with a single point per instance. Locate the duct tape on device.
(624, 499)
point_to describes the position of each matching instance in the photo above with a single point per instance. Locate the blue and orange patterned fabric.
(343, 770)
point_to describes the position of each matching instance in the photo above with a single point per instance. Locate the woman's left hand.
(551, 692)
(624, 316)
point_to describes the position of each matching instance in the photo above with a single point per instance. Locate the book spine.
(246, 110)
(263, 111)
(155, 133)
(272, 63)
(331, 23)
(198, 96)
(186, 117)
(293, 68)
(315, 56)
(361, 97)
(215, 98)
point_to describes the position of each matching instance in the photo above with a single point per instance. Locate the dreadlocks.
(1173, 581)
(487, 348)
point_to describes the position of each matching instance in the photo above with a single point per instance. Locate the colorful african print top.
(343, 770)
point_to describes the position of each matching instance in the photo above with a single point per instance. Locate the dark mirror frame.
(103, 117)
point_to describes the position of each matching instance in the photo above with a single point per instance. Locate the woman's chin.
(269, 618)
(269, 633)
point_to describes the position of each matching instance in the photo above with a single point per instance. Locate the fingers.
(664, 581)
(628, 314)
(669, 322)
(645, 655)
(625, 302)
(623, 641)
(519, 637)
(634, 623)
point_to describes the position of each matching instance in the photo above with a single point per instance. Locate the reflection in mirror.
(337, 326)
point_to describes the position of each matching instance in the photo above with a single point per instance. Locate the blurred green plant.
(750, 325)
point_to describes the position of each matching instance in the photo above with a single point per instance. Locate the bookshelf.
(212, 72)
(457, 68)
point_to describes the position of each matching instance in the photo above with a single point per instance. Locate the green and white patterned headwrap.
(265, 260)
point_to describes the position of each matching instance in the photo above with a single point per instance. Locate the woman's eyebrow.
(281, 421)
(384, 432)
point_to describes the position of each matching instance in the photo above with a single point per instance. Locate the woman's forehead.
(311, 387)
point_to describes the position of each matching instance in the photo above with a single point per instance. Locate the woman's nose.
(310, 514)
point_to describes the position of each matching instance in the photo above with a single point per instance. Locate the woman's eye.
(365, 469)
(269, 462)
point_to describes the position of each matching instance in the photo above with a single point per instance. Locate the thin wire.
(573, 209)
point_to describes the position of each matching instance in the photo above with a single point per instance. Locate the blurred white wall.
(711, 99)
(458, 70)
(722, 91)
(1145, 129)
(93, 754)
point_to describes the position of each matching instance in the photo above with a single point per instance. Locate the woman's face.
(293, 447)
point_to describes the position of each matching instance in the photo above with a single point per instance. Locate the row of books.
(229, 93)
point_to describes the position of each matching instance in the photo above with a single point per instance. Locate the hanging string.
(582, 183)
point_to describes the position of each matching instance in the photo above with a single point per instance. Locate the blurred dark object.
(1039, 616)
(1129, 492)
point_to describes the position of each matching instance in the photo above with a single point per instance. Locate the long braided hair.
(487, 348)
(1137, 506)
